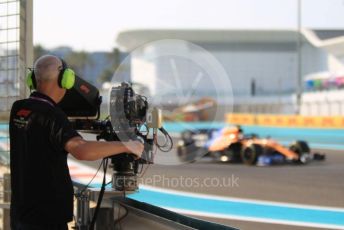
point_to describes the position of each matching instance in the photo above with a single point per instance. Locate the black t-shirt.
(42, 190)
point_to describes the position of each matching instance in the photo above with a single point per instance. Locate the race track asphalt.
(317, 183)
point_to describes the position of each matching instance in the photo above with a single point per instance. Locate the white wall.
(273, 66)
(325, 103)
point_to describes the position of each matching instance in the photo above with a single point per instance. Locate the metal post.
(26, 50)
(83, 210)
(7, 199)
(299, 57)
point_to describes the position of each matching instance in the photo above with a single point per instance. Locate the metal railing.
(5, 198)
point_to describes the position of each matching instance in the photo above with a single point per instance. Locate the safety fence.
(16, 54)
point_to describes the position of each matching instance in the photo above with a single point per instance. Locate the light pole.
(299, 56)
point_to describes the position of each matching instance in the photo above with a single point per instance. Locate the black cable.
(119, 219)
(169, 138)
(165, 143)
(100, 197)
(168, 141)
(88, 184)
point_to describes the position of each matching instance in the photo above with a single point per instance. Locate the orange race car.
(229, 144)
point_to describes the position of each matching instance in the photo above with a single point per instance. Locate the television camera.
(129, 119)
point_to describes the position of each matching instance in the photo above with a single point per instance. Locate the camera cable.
(94, 176)
(168, 145)
(101, 194)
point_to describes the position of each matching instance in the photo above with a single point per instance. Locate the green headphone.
(66, 78)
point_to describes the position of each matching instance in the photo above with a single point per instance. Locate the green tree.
(115, 58)
(79, 61)
(106, 75)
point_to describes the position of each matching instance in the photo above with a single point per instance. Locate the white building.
(262, 65)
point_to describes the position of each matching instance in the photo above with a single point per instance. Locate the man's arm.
(94, 150)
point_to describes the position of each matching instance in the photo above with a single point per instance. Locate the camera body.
(127, 117)
(128, 112)
(127, 109)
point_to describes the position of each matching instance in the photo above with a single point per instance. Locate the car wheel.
(250, 154)
(186, 136)
(302, 149)
(233, 152)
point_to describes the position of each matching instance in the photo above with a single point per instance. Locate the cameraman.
(41, 138)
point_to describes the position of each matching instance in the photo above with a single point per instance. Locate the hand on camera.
(135, 147)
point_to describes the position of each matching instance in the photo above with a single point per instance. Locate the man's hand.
(135, 147)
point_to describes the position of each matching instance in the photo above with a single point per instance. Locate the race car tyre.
(186, 136)
(233, 153)
(302, 149)
(185, 153)
(250, 154)
(190, 153)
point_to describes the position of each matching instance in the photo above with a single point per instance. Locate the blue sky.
(93, 25)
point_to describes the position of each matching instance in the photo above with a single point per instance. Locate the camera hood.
(82, 101)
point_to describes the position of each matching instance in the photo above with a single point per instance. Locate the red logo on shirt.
(23, 112)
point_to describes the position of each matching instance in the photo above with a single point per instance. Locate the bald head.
(47, 68)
